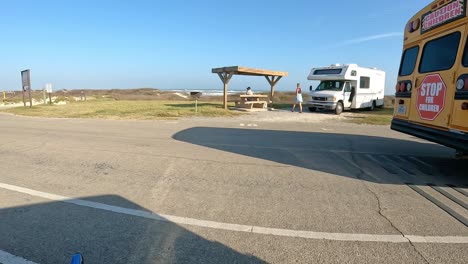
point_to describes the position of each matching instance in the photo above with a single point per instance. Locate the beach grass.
(124, 109)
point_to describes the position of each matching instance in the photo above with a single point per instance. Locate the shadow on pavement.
(384, 160)
(52, 232)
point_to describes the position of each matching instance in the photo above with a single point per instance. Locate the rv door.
(347, 100)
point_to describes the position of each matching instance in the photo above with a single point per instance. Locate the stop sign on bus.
(431, 97)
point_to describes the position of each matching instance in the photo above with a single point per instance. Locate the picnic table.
(252, 101)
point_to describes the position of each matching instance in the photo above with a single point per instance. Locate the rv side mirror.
(311, 88)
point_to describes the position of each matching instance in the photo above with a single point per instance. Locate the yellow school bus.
(431, 99)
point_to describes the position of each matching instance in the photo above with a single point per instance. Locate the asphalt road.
(238, 190)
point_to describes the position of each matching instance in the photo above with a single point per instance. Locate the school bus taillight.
(462, 84)
(404, 86)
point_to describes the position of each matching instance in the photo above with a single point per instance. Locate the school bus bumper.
(458, 141)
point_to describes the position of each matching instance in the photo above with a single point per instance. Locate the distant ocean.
(215, 92)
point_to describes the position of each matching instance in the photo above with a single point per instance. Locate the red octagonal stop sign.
(431, 97)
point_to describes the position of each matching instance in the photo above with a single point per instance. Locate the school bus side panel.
(459, 119)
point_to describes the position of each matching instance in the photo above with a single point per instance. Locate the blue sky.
(174, 44)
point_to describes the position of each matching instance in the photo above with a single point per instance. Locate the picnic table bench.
(252, 101)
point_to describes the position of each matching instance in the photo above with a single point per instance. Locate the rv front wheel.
(339, 108)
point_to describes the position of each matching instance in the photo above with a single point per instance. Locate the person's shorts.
(299, 98)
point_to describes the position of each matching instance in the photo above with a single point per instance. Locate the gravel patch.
(288, 116)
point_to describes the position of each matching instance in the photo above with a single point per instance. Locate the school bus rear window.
(408, 61)
(440, 54)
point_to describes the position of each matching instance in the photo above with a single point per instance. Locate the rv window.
(347, 87)
(327, 71)
(353, 73)
(408, 61)
(440, 54)
(364, 82)
(330, 86)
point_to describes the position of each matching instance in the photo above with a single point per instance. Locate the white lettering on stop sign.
(431, 89)
(436, 88)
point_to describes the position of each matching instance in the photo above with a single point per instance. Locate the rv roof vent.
(335, 65)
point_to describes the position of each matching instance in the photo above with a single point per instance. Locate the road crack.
(392, 224)
(361, 176)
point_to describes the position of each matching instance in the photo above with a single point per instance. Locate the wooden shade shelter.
(226, 73)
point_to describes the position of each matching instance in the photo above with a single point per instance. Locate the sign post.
(431, 97)
(23, 91)
(26, 82)
(44, 97)
(82, 95)
(30, 97)
(49, 92)
(196, 96)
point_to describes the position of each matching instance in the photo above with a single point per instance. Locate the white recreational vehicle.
(345, 87)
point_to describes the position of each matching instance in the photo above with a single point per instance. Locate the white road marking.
(438, 239)
(8, 258)
(249, 125)
(243, 228)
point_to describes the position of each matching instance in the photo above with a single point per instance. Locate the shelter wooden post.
(273, 81)
(225, 78)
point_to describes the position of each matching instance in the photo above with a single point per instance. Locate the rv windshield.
(330, 86)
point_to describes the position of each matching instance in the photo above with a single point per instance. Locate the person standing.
(299, 99)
